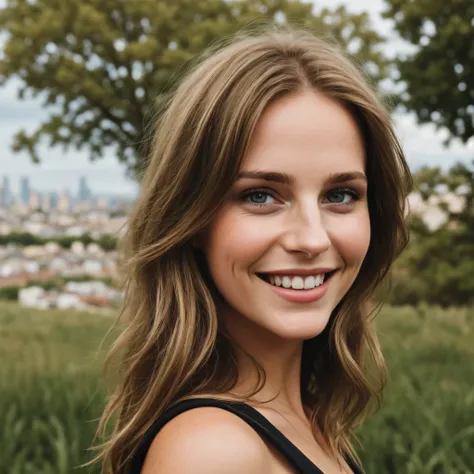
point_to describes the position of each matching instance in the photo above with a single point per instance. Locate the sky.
(61, 170)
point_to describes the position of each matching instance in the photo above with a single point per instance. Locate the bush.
(9, 293)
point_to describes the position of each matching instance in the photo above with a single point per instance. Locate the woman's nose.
(306, 233)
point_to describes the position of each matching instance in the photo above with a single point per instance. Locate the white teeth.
(297, 282)
(309, 282)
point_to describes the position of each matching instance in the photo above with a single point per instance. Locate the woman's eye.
(257, 197)
(343, 196)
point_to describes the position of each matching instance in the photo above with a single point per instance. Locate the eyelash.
(354, 194)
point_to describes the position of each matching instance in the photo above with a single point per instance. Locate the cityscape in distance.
(58, 248)
(64, 200)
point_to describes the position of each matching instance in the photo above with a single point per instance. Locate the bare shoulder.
(206, 440)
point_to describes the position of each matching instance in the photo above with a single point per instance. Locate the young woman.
(271, 208)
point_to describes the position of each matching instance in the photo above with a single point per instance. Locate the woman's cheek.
(351, 235)
(237, 236)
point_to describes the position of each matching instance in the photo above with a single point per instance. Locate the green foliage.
(66, 241)
(439, 76)
(107, 280)
(106, 241)
(51, 394)
(438, 266)
(46, 284)
(9, 293)
(20, 238)
(102, 69)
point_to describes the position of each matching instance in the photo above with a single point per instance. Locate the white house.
(52, 248)
(68, 300)
(94, 249)
(58, 264)
(92, 267)
(30, 296)
(87, 288)
(77, 248)
(32, 267)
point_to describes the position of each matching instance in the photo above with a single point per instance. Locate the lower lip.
(301, 296)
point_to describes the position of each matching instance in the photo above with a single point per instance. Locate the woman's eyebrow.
(346, 176)
(284, 178)
(274, 176)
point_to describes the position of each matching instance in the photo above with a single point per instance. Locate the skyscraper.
(6, 196)
(25, 190)
(84, 191)
(53, 200)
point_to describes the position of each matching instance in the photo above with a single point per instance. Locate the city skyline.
(24, 183)
(28, 197)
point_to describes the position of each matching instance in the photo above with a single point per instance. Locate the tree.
(438, 266)
(100, 69)
(439, 76)
(439, 88)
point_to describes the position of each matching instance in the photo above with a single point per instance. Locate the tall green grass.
(50, 390)
(51, 393)
(426, 424)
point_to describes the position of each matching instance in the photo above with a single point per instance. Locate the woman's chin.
(301, 327)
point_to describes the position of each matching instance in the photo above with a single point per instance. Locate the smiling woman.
(271, 209)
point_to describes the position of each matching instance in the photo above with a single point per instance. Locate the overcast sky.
(60, 170)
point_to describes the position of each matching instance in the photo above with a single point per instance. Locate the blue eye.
(353, 196)
(260, 196)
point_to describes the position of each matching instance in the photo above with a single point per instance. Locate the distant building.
(64, 202)
(77, 248)
(34, 201)
(6, 193)
(25, 190)
(101, 202)
(53, 200)
(93, 267)
(84, 191)
(31, 296)
(45, 203)
(67, 300)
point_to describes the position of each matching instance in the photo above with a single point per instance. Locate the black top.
(301, 463)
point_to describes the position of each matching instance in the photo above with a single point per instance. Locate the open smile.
(299, 295)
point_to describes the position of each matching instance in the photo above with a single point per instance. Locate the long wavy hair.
(172, 346)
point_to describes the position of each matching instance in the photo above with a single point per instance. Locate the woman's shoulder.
(206, 440)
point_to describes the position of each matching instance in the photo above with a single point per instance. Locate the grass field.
(51, 395)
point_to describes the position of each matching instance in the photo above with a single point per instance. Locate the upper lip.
(300, 271)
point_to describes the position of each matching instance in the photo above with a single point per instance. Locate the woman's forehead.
(306, 133)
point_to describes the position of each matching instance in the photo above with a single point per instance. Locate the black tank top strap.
(298, 460)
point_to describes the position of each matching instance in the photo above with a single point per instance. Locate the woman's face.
(297, 213)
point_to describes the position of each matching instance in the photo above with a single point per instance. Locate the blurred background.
(78, 79)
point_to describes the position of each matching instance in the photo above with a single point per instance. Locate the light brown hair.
(172, 346)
